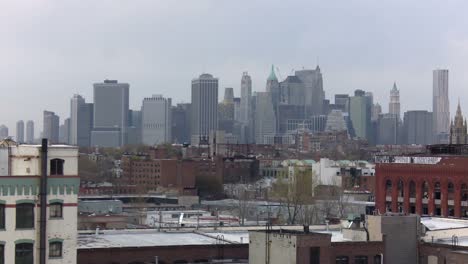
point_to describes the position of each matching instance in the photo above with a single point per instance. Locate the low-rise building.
(38, 203)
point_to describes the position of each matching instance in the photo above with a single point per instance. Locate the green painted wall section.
(30, 186)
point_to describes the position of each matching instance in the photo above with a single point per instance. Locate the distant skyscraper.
(265, 119)
(204, 107)
(336, 121)
(394, 105)
(226, 111)
(246, 111)
(387, 129)
(342, 102)
(229, 95)
(360, 113)
(30, 132)
(20, 131)
(111, 110)
(3, 132)
(64, 132)
(376, 111)
(51, 127)
(418, 127)
(440, 105)
(181, 115)
(314, 93)
(135, 127)
(156, 120)
(75, 104)
(458, 129)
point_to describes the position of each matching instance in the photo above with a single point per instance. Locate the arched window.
(437, 193)
(388, 187)
(400, 188)
(56, 166)
(451, 191)
(412, 189)
(24, 253)
(425, 190)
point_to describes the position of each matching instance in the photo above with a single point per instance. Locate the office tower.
(84, 124)
(418, 127)
(64, 132)
(387, 129)
(314, 93)
(376, 111)
(156, 120)
(30, 132)
(336, 121)
(440, 105)
(394, 105)
(237, 109)
(75, 104)
(226, 112)
(360, 114)
(342, 100)
(20, 131)
(204, 107)
(51, 127)
(458, 129)
(265, 119)
(273, 87)
(111, 109)
(246, 111)
(3, 132)
(229, 95)
(181, 115)
(134, 127)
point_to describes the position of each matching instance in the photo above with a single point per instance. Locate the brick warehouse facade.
(434, 184)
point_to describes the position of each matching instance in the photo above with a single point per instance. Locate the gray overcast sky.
(50, 50)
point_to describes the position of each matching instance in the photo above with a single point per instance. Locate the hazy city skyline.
(52, 50)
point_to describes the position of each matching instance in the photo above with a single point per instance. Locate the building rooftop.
(132, 238)
(439, 223)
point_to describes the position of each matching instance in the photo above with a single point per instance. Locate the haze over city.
(51, 50)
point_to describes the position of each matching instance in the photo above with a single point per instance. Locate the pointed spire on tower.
(272, 76)
(394, 87)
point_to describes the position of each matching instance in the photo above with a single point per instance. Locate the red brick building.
(434, 183)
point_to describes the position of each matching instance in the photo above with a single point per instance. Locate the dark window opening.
(56, 166)
(425, 210)
(438, 211)
(413, 209)
(2, 216)
(377, 259)
(437, 193)
(24, 253)
(2, 254)
(342, 260)
(55, 250)
(55, 210)
(360, 260)
(25, 215)
(315, 255)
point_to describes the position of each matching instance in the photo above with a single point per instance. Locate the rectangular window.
(314, 255)
(24, 253)
(2, 216)
(360, 260)
(2, 254)
(55, 250)
(56, 166)
(25, 215)
(342, 260)
(55, 210)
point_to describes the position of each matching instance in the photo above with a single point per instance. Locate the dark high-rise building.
(387, 129)
(111, 108)
(226, 112)
(314, 93)
(20, 131)
(81, 121)
(360, 113)
(417, 127)
(181, 115)
(64, 132)
(30, 132)
(51, 126)
(135, 127)
(204, 107)
(3, 132)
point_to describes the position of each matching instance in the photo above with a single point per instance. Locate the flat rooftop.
(120, 239)
(439, 223)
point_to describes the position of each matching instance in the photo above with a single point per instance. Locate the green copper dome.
(272, 76)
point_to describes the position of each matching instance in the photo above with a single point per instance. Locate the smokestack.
(43, 202)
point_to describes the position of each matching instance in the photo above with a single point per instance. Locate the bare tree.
(295, 192)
